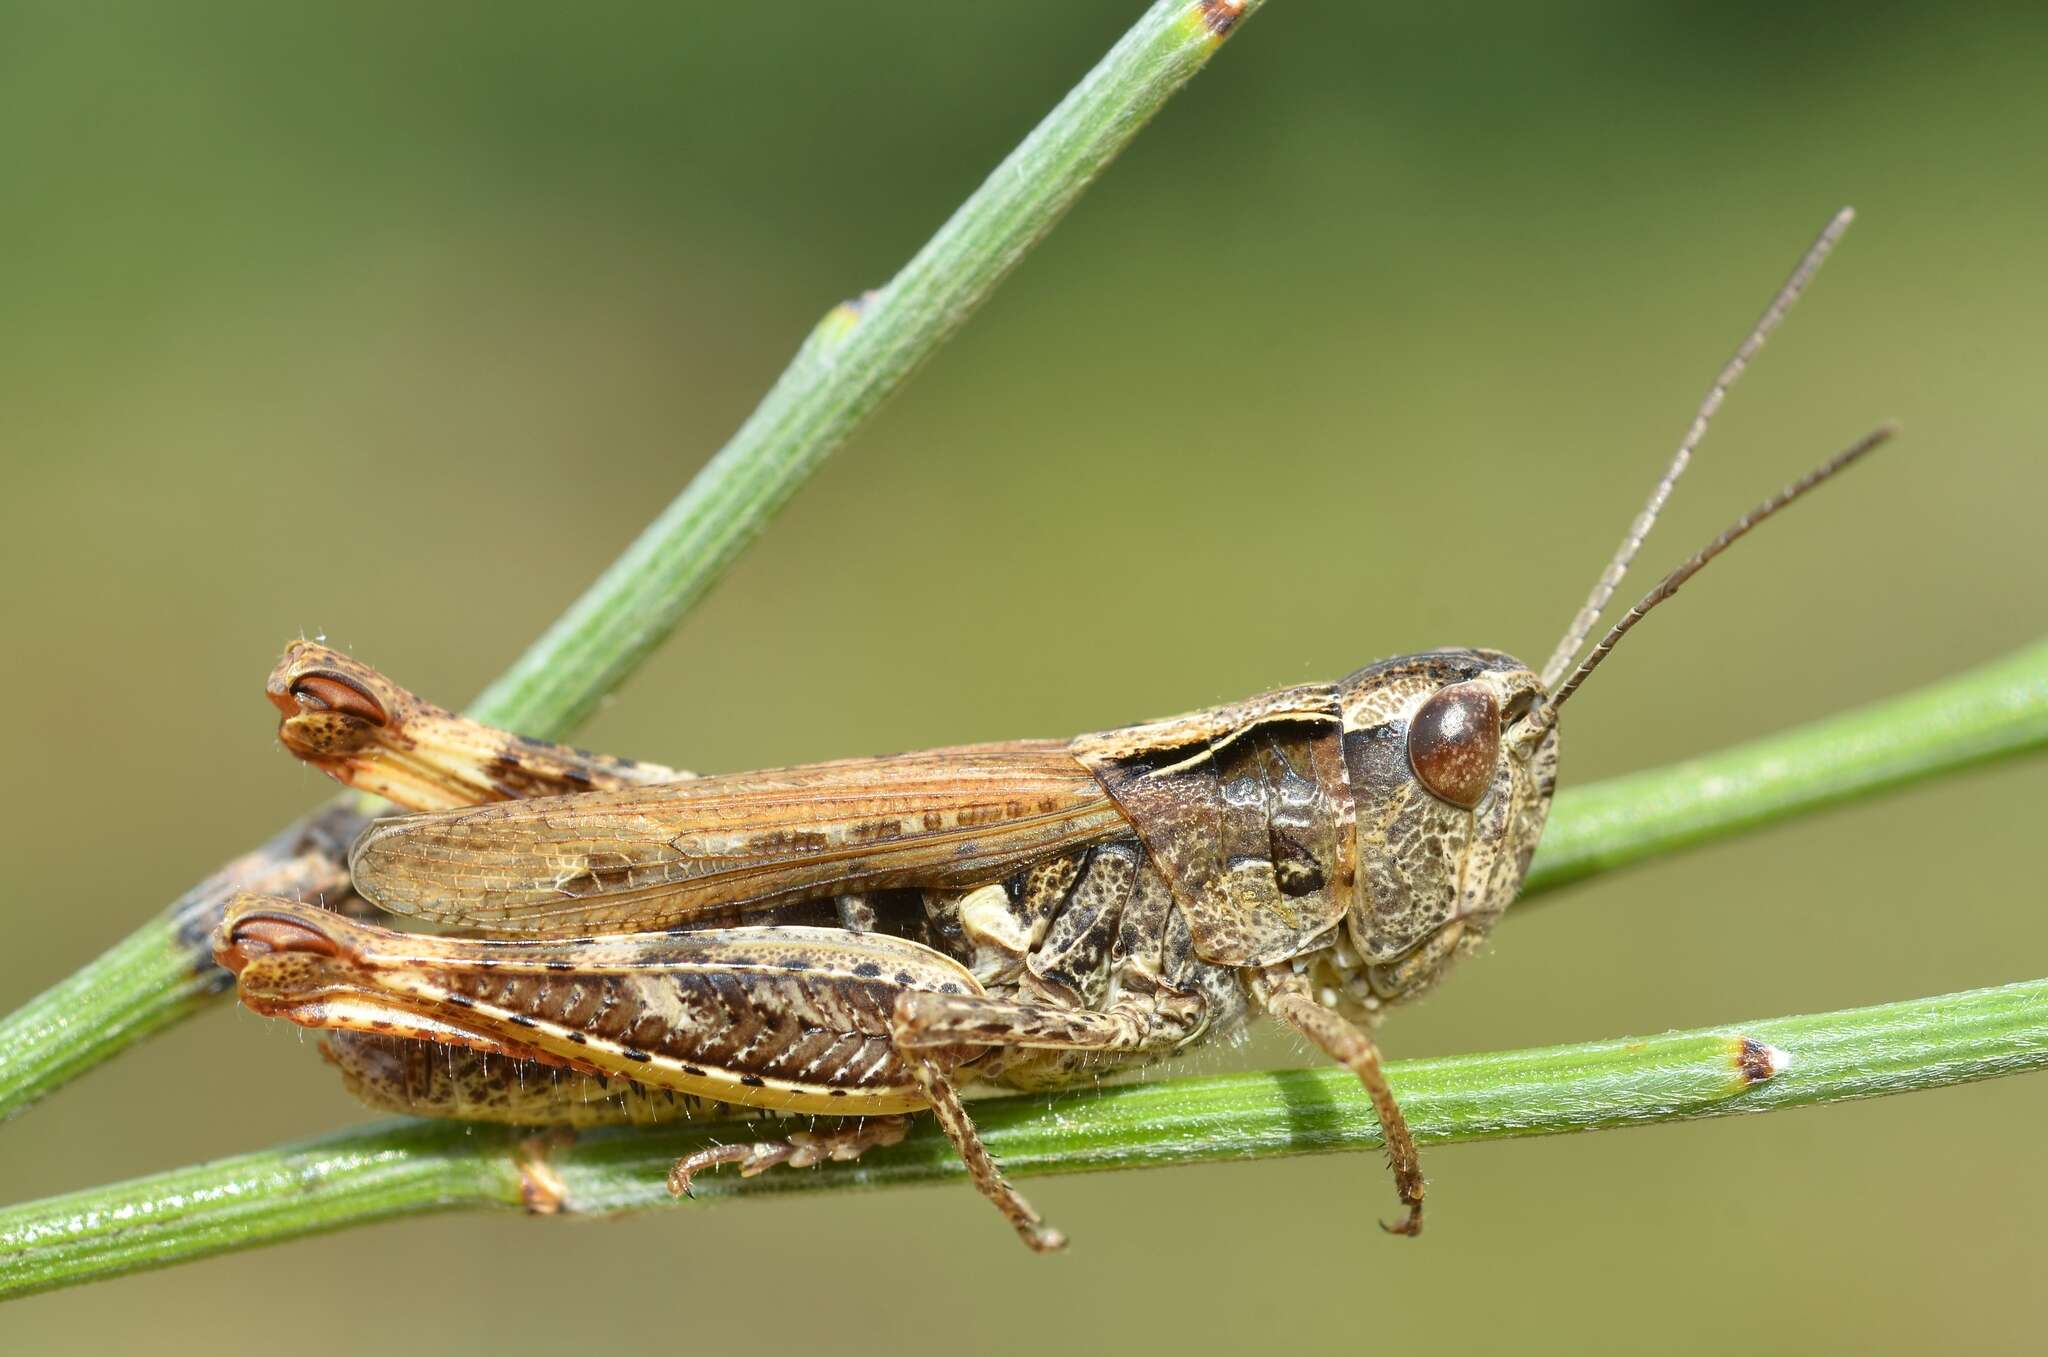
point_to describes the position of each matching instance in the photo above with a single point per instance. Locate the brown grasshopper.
(863, 939)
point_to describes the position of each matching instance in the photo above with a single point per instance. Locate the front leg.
(1287, 996)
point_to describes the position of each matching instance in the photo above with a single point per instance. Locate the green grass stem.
(409, 1167)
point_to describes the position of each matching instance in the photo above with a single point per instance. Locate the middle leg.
(924, 1023)
(799, 1150)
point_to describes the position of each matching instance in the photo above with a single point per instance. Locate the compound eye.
(1454, 741)
(327, 692)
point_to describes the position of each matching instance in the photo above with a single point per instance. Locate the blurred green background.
(394, 323)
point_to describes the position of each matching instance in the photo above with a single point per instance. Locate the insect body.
(867, 938)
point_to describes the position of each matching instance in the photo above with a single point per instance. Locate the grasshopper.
(865, 939)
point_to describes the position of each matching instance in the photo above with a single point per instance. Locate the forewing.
(716, 847)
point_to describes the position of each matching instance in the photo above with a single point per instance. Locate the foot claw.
(1410, 1226)
(689, 1166)
(1043, 1239)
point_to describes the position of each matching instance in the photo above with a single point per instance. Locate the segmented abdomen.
(788, 1017)
(422, 1079)
(780, 1025)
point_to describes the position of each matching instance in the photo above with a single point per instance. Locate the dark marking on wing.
(713, 848)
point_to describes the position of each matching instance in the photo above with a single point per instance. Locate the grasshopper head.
(1452, 790)
(1453, 755)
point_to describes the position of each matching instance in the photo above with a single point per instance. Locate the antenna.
(1610, 579)
(1546, 716)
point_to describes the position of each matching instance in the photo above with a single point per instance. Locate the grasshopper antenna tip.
(1546, 716)
(1610, 579)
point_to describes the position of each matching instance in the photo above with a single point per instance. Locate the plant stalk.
(410, 1167)
(1998, 710)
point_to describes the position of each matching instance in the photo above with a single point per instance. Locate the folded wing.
(716, 848)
